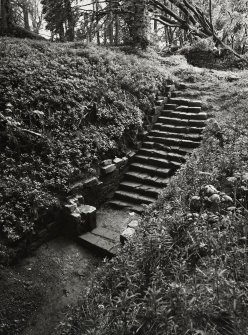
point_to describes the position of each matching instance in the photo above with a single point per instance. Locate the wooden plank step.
(126, 205)
(151, 170)
(133, 197)
(151, 180)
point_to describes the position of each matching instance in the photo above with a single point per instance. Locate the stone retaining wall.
(78, 213)
(87, 195)
(213, 60)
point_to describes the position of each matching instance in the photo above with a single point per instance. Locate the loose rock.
(127, 234)
(108, 169)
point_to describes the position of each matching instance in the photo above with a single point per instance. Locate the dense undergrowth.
(204, 53)
(186, 271)
(63, 109)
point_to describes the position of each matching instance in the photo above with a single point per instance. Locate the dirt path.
(35, 293)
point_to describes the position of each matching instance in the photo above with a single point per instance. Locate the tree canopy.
(137, 23)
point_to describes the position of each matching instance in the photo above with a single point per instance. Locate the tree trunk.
(70, 33)
(139, 24)
(7, 28)
(4, 17)
(117, 30)
(26, 17)
(61, 33)
(110, 29)
(97, 34)
(155, 27)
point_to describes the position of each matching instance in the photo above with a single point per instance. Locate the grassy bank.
(186, 270)
(64, 107)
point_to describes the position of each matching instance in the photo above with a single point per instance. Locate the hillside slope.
(185, 271)
(64, 107)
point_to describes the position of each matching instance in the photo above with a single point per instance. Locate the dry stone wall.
(96, 190)
(78, 213)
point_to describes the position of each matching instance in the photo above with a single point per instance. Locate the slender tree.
(14, 19)
(5, 17)
(61, 17)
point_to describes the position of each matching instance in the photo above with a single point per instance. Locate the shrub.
(184, 272)
(67, 107)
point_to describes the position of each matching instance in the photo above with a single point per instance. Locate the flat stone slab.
(107, 162)
(130, 154)
(91, 182)
(126, 205)
(70, 208)
(87, 209)
(99, 244)
(127, 234)
(88, 216)
(77, 187)
(118, 161)
(108, 169)
(133, 224)
(106, 233)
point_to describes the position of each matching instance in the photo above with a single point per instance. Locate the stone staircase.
(175, 133)
(113, 228)
(103, 241)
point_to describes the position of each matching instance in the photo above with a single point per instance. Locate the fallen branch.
(11, 124)
(201, 26)
(230, 49)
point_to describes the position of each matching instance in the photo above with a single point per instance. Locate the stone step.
(101, 240)
(133, 197)
(178, 129)
(186, 102)
(140, 187)
(161, 146)
(148, 144)
(187, 109)
(149, 180)
(170, 106)
(183, 136)
(173, 148)
(185, 86)
(160, 101)
(170, 88)
(173, 157)
(160, 162)
(180, 122)
(177, 94)
(126, 205)
(151, 170)
(174, 142)
(184, 115)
